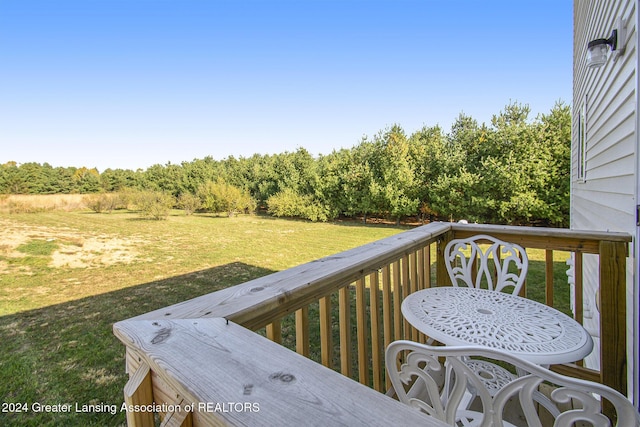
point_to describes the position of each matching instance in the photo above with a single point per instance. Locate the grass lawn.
(66, 277)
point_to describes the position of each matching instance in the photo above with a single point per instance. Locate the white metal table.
(469, 316)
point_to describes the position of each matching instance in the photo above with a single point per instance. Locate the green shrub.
(101, 202)
(288, 203)
(222, 197)
(189, 202)
(154, 204)
(122, 199)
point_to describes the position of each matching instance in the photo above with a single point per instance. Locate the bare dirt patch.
(75, 249)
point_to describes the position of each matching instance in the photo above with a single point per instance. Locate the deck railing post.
(442, 277)
(613, 345)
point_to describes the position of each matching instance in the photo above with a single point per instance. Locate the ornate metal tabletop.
(462, 316)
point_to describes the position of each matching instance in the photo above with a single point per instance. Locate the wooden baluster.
(326, 334)
(548, 277)
(397, 301)
(387, 301)
(426, 279)
(523, 289)
(361, 322)
(274, 331)
(474, 270)
(387, 314)
(302, 331)
(578, 302)
(376, 341)
(413, 284)
(494, 274)
(421, 284)
(344, 308)
(405, 293)
(427, 262)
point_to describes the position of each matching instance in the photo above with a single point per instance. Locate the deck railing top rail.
(563, 239)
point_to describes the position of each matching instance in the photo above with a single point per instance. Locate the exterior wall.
(604, 183)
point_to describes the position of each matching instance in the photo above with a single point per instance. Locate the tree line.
(515, 170)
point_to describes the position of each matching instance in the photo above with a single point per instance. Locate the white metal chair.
(435, 380)
(497, 266)
(470, 265)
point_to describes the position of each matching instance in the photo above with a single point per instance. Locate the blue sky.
(132, 83)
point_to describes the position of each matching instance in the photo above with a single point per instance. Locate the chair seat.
(467, 418)
(493, 377)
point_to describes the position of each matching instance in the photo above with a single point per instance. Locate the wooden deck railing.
(343, 310)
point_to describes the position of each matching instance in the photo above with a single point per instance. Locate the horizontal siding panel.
(589, 215)
(605, 200)
(623, 185)
(606, 114)
(621, 141)
(613, 167)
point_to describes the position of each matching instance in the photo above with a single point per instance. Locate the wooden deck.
(187, 354)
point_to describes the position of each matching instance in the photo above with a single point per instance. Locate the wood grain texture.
(212, 361)
(178, 418)
(138, 391)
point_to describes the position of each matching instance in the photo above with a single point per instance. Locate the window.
(582, 142)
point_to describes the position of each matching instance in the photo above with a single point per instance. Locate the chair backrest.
(500, 265)
(436, 381)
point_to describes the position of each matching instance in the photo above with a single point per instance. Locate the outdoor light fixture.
(598, 50)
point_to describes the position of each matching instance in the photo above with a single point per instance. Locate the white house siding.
(606, 97)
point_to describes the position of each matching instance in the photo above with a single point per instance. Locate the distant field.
(47, 202)
(66, 277)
